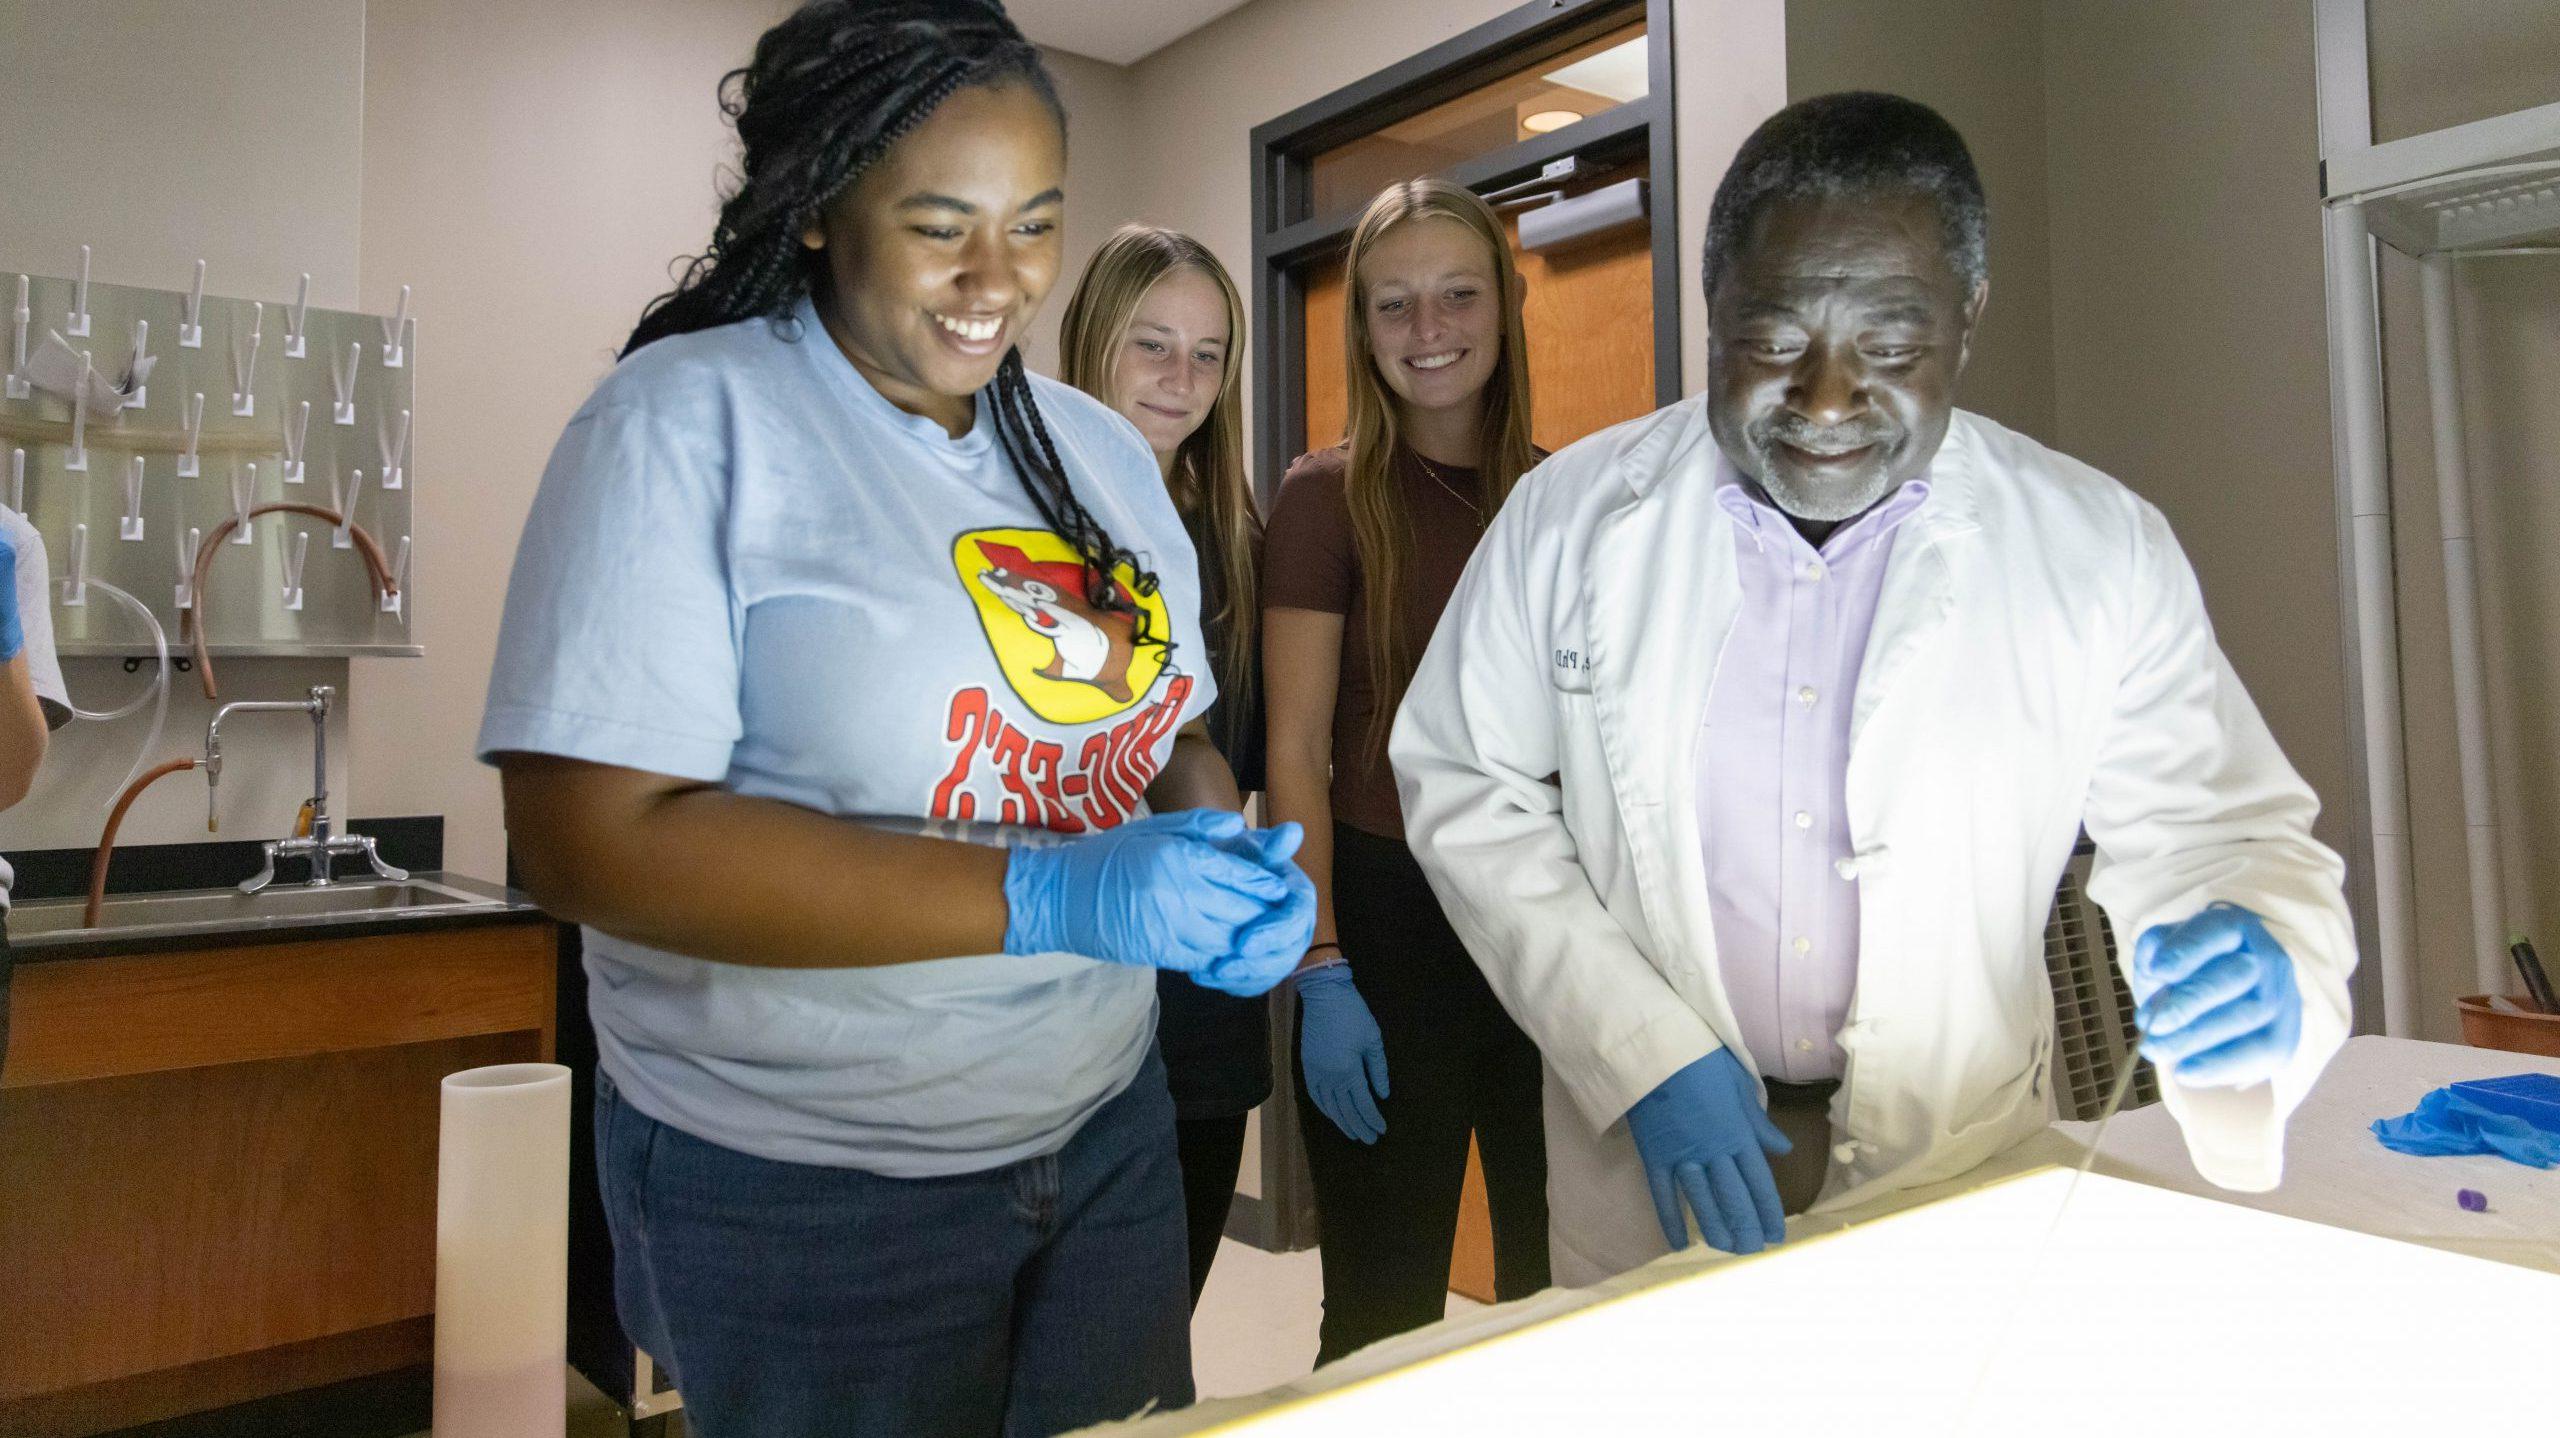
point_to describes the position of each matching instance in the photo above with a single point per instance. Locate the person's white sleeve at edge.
(2191, 803)
(1473, 745)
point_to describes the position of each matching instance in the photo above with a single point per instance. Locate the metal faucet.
(320, 847)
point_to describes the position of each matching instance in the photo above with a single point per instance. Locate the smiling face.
(1839, 328)
(1433, 311)
(1172, 359)
(940, 254)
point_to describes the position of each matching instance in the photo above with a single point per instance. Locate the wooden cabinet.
(218, 1166)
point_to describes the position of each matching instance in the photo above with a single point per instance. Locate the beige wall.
(2508, 357)
(2190, 339)
(158, 139)
(2436, 65)
(530, 170)
(161, 131)
(2448, 62)
(1103, 174)
(1981, 64)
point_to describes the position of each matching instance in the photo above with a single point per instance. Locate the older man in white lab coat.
(1753, 744)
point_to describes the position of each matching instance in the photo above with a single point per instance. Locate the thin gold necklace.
(1437, 478)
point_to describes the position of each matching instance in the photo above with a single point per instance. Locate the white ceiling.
(1120, 31)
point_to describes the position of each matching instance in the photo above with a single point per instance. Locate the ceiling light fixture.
(1548, 121)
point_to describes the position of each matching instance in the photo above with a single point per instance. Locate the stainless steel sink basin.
(216, 910)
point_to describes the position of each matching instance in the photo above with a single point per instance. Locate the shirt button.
(1803, 819)
(1813, 569)
(1845, 868)
(1845, 1153)
(1804, 1046)
(1806, 696)
(1803, 945)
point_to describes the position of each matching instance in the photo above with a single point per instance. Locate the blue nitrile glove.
(2219, 1007)
(1160, 892)
(12, 637)
(2445, 1122)
(1704, 1135)
(1268, 948)
(1341, 1051)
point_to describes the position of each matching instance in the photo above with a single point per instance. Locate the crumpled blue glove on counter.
(2448, 1122)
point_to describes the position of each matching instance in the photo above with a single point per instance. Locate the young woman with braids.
(1155, 329)
(1365, 546)
(818, 584)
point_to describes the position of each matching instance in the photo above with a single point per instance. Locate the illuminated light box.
(2151, 1312)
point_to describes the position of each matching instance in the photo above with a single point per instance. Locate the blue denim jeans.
(789, 1299)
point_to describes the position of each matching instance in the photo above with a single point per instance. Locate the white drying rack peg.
(191, 329)
(294, 318)
(77, 326)
(294, 434)
(244, 362)
(191, 424)
(293, 570)
(20, 318)
(131, 528)
(345, 381)
(187, 568)
(343, 537)
(395, 450)
(77, 461)
(137, 367)
(395, 333)
(396, 602)
(75, 575)
(244, 497)
(18, 480)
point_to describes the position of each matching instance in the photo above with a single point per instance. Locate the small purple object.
(2472, 1200)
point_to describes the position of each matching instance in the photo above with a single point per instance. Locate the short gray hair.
(1854, 142)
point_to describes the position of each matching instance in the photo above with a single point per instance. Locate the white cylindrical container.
(502, 1253)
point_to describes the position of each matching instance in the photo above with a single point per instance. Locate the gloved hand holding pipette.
(2217, 1002)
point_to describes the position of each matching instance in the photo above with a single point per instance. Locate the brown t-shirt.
(1309, 562)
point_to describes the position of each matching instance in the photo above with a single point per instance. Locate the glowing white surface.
(2152, 1312)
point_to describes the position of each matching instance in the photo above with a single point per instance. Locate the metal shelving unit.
(2490, 188)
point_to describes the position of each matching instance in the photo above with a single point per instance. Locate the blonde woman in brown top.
(1156, 331)
(1364, 546)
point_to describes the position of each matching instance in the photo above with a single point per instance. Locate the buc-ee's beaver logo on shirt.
(1069, 661)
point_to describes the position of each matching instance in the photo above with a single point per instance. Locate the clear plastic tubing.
(156, 694)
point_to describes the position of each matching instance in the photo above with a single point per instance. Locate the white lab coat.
(2040, 660)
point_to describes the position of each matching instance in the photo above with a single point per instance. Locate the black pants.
(1456, 1065)
(1212, 1152)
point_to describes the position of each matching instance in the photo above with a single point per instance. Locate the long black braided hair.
(828, 92)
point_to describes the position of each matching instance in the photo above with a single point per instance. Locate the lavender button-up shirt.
(1773, 764)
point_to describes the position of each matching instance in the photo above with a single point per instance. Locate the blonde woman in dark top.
(1402, 1048)
(1156, 331)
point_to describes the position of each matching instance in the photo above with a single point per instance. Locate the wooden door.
(1588, 314)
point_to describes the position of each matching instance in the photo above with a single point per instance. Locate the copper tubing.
(191, 622)
(107, 840)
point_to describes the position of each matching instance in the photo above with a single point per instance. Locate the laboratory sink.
(212, 911)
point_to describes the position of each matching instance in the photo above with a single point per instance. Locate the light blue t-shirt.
(746, 567)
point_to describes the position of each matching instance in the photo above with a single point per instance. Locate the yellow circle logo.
(1071, 660)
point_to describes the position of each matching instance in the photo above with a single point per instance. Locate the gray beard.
(1829, 504)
